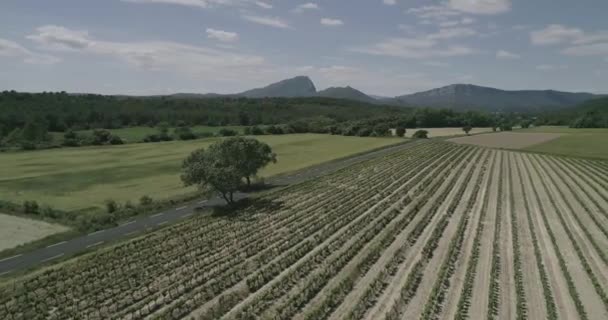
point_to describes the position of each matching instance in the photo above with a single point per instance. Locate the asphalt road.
(146, 223)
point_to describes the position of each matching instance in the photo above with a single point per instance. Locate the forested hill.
(590, 114)
(61, 110)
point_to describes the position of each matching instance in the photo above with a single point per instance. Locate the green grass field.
(83, 178)
(588, 143)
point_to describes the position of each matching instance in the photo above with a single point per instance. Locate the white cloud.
(449, 33)
(221, 35)
(267, 21)
(306, 6)
(481, 6)
(331, 22)
(390, 2)
(263, 5)
(190, 3)
(595, 49)
(550, 67)
(506, 55)
(580, 43)
(60, 38)
(433, 12)
(555, 34)
(467, 20)
(414, 48)
(433, 63)
(13, 49)
(150, 55)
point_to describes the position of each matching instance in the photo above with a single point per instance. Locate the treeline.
(62, 111)
(381, 125)
(27, 119)
(591, 114)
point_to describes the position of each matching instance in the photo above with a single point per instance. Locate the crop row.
(494, 298)
(414, 278)
(373, 227)
(544, 278)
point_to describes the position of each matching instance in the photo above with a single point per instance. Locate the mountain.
(346, 93)
(457, 96)
(300, 86)
(468, 96)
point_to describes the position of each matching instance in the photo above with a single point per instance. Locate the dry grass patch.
(507, 140)
(15, 231)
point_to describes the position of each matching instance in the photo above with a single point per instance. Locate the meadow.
(587, 143)
(436, 230)
(83, 178)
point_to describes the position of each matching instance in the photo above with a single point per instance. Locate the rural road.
(142, 224)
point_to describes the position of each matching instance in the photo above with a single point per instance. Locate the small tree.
(421, 134)
(210, 169)
(225, 132)
(111, 206)
(223, 166)
(467, 129)
(184, 133)
(145, 201)
(400, 131)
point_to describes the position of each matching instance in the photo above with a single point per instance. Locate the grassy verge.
(582, 143)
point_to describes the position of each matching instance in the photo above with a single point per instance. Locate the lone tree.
(223, 166)
(467, 129)
(400, 131)
(421, 134)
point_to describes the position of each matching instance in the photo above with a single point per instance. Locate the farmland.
(83, 178)
(434, 231)
(507, 140)
(446, 132)
(590, 143)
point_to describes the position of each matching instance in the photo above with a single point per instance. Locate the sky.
(382, 47)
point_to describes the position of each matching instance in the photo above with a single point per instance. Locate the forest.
(28, 118)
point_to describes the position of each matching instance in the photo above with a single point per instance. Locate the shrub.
(145, 201)
(225, 132)
(421, 134)
(31, 207)
(111, 206)
(256, 131)
(400, 131)
(115, 140)
(184, 133)
(272, 129)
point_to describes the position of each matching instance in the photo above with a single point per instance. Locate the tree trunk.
(226, 198)
(248, 181)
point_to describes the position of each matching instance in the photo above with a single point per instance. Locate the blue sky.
(383, 47)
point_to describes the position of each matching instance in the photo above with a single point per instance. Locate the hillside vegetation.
(590, 114)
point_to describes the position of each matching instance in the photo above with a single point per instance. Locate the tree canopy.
(223, 166)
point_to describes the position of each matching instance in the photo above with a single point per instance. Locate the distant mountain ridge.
(300, 86)
(346, 93)
(455, 96)
(468, 96)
